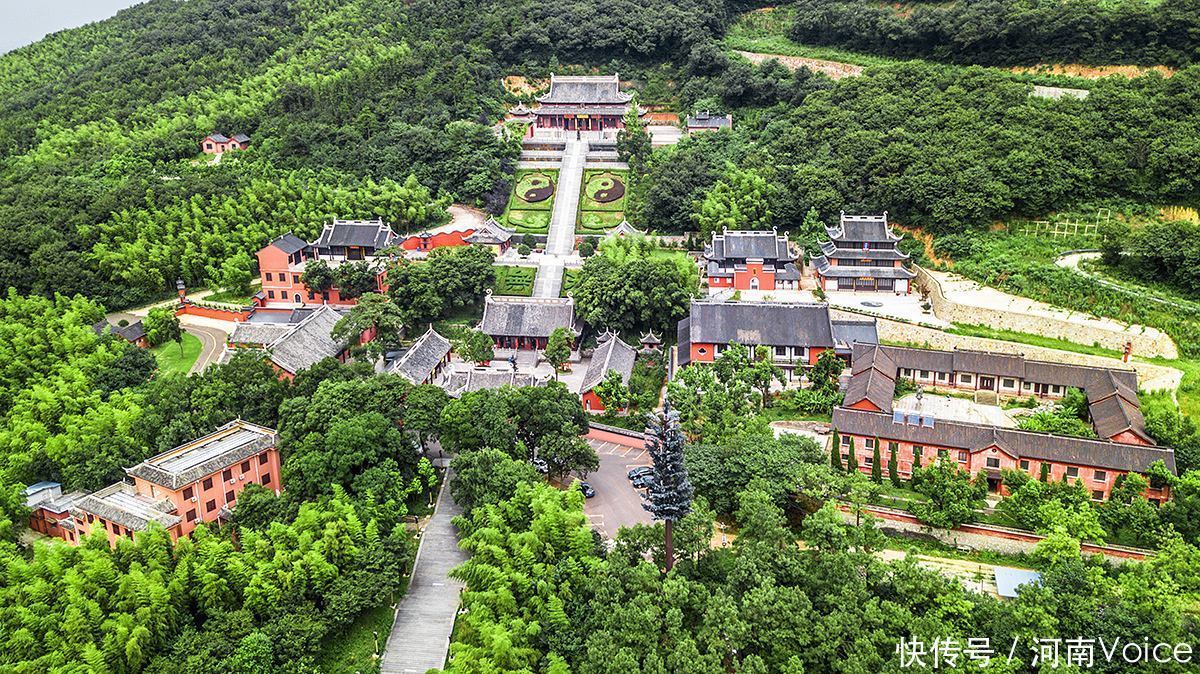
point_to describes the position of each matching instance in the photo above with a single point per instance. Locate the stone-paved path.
(420, 637)
(560, 241)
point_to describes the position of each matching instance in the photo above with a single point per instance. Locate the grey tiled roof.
(258, 334)
(224, 447)
(832, 251)
(582, 110)
(419, 362)
(371, 234)
(526, 316)
(119, 503)
(241, 138)
(705, 120)
(220, 138)
(847, 271)
(847, 333)
(307, 342)
(873, 377)
(863, 228)
(614, 354)
(765, 323)
(477, 379)
(491, 233)
(788, 273)
(585, 89)
(683, 340)
(130, 333)
(765, 245)
(1021, 444)
(1112, 394)
(289, 243)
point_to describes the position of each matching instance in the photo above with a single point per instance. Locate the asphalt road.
(616, 503)
(212, 344)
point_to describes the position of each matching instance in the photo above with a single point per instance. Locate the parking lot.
(616, 503)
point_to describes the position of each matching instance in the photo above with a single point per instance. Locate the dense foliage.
(1006, 32)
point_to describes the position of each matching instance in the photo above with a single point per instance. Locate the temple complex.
(861, 255)
(581, 103)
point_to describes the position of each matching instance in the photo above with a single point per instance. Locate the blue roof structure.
(1008, 579)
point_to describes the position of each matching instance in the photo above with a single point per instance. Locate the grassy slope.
(171, 359)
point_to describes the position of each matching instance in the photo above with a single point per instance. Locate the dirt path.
(834, 69)
(1092, 72)
(1072, 261)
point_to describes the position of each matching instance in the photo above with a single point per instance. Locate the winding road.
(1073, 259)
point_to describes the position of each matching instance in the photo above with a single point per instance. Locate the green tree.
(633, 142)
(488, 476)
(566, 454)
(423, 411)
(353, 279)
(317, 276)
(235, 275)
(558, 348)
(761, 372)
(374, 314)
(162, 326)
(475, 347)
(835, 452)
(741, 199)
(613, 393)
(852, 460)
(876, 464)
(823, 376)
(894, 469)
(953, 496)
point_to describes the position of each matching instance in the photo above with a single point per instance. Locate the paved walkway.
(420, 637)
(560, 241)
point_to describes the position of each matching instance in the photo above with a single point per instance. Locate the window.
(1100, 476)
(924, 374)
(1008, 383)
(702, 351)
(1098, 495)
(271, 294)
(227, 475)
(208, 483)
(941, 376)
(893, 447)
(188, 493)
(210, 506)
(870, 443)
(245, 466)
(266, 479)
(262, 459)
(993, 462)
(845, 440)
(869, 461)
(964, 378)
(781, 351)
(1026, 386)
(91, 519)
(1056, 388)
(1072, 472)
(962, 456)
(1024, 464)
(191, 515)
(229, 496)
(845, 458)
(311, 296)
(295, 278)
(268, 275)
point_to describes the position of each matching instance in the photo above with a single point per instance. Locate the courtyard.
(532, 200)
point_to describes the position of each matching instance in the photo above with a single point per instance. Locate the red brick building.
(868, 415)
(751, 260)
(795, 333)
(861, 255)
(490, 234)
(196, 482)
(282, 262)
(298, 343)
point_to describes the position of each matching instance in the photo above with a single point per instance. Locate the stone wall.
(1150, 343)
(1150, 377)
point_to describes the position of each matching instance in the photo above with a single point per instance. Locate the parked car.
(635, 473)
(541, 466)
(587, 490)
(644, 482)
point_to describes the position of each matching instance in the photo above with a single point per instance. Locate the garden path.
(560, 241)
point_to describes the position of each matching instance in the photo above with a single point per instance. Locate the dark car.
(644, 482)
(640, 471)
(587, 490)
(541, 466)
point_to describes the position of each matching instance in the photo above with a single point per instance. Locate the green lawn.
(512, 280)
(1031, 339)
(765, 32)
(170, 359)
(532, 217)
(570, 279)
(226, 297)
(528, 222)
(596, 217)
(453, 326)
(352, 650)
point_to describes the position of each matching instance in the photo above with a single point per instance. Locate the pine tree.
(1044, 476)
(876, 465)
(670, 496)
(835, 452)
(893, 469)
(852, 461)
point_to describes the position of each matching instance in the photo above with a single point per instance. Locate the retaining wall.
(987, 537)
(1153, 343)
(218, 313)
(615, 435)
